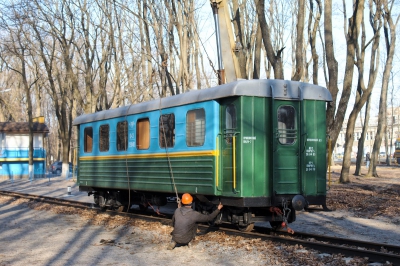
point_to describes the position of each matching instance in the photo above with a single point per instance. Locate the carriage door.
(228, 134)
(286, 147)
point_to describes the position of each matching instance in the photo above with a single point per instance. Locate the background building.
(14, 150)
(392, 132)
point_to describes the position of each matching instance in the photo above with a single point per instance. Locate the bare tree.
(351, 44)
(159, 17)
(393, 121)
(312, 36)
(11, 97)
(274, 58)
(364, 135)
(257, 53)
(242, 30)
(61, 73)
(363, 92)
(86, 48)
(299, 69)
(389, 30)
(333, 127)
(18, 47)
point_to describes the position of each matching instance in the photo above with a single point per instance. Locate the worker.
(185, 221)
(367, 159)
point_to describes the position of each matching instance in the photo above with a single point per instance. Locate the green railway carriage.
(251, 144)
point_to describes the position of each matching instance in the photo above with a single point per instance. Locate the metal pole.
(221, 73)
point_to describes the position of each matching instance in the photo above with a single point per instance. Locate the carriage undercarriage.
(244, 217)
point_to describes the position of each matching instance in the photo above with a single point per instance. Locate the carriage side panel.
(255, 147)
(313, 163)
(190, 167)
(245, 145)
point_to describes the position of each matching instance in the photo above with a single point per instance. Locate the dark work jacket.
(184, 222)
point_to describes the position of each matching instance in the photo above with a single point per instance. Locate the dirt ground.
(368, 197)
(365, 209)
(39, 234)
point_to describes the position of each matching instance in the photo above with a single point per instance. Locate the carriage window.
(167, 130)
(104, 141)
(143, 134)
(230, 122)
(88, 139)
(195, 127)
(287, 125)
(122, 136)
(397, 144)
(2, 140)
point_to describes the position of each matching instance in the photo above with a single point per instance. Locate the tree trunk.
(299, 41)
(312, 33)
(351, 40)
(332, 65)
(364, 94)
(274, 58)
(361, 143)
(257, 54)
(390, 39)
(239, 28)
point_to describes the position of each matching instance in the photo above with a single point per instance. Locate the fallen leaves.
(368, 197)
(364, 197)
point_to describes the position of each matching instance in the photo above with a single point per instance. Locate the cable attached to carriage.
(126, 159)
(178, 200)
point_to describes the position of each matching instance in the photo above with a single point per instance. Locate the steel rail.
(50, 200)
(376, 252)
(333, 240)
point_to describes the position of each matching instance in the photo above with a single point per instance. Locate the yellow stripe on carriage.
(217, 164)
(150, 155)
(19, 159)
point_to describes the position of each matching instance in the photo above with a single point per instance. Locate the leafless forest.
(63, 58)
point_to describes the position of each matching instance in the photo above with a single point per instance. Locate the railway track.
(375, 252)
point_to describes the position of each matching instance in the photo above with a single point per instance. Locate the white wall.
(13, 141)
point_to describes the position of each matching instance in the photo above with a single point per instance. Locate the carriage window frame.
(230, 123)
(166, 125)
(287, 125)
(88, 139)
(397, 145)
(2, 140)
(104, 138)
(122, 136)
(143, 133)
(195, 127)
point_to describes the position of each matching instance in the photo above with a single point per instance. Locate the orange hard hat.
(187, 199)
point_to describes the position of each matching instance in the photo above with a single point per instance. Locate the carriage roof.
(272, 88)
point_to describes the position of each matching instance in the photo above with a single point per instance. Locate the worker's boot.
(171, 245)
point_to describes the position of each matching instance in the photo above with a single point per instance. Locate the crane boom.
(227, 61)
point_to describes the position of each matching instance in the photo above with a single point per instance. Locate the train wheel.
(276, 225)
(246, 228)
(249, 227)
(99, 200)
(121, 208)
